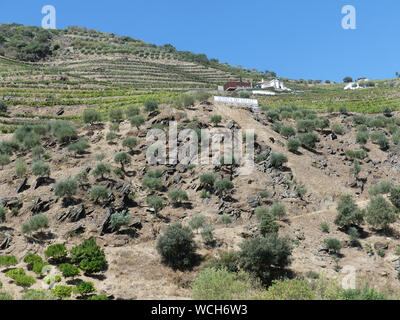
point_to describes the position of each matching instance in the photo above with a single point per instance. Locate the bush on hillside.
(176, 247)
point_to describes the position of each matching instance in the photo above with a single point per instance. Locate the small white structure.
(236, 101)
(276, 84)
(264, 93)
(356, 85)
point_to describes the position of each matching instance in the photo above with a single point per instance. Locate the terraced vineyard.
(38, 92)
(325, 97)
(146, 74)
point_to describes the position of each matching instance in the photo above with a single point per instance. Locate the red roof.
(234, 84)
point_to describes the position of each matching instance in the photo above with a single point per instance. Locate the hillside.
(73, 143)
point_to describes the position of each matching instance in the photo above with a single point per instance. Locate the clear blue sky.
(296, 39)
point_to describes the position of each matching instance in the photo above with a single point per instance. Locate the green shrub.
(79, 147)
(150, 105)
(290, 289)
(66, 188)
(362, 294)
(176, 247)
(40, 169)
(8, 261)
(32, 259)
(155, 202)
(116, 115)
(37, 152)
(56, 252)
(287, 131)
(325, 228)
(137, 121)
(268, 224)
(360, 119)
(31, 141)
(387, 111)
(20, 167)
(348, 213)
(91, 116)
(68, 270)
(207, 234)
(38, 267)
(152, 184)
(4, 160)
(333, 245)
(219, 284)
(110, 136)
(176, 196)
(89, 256)
(383, 143)
(130, 143)
(132, 111)
(396, 138)
(35, 223)
(99, 192)
(62, 292)
(362, 137)
(101, 170)
(383, 187)
(122, 158)
(337, 129)
(3, 107)
(272, 115)
(84, 288)
(277, 160)
(216, 119)
(278, 210)
(20, 278)
(395, 196)
(380, 213)
(114, 127)
(306, 125)
(3, 212)
(223, 186)
(120, 219)
(308, 140)
(265, 257)
(264, 194)
(355, 154)
(293, 144)
(63, 131)
(9, 147)
(261, 211)
(207, 180)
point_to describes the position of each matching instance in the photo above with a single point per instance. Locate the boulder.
(22, 186)
(6, 242)
(40, 205)
(74, 214)
(253, 201)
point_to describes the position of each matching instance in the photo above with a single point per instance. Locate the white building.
(275, 83)
(356, 85)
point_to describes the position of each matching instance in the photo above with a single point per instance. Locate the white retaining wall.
(236, 101)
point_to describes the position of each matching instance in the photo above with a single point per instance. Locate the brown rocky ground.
(135, 270)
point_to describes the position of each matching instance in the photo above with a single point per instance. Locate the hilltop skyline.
(295, 40)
